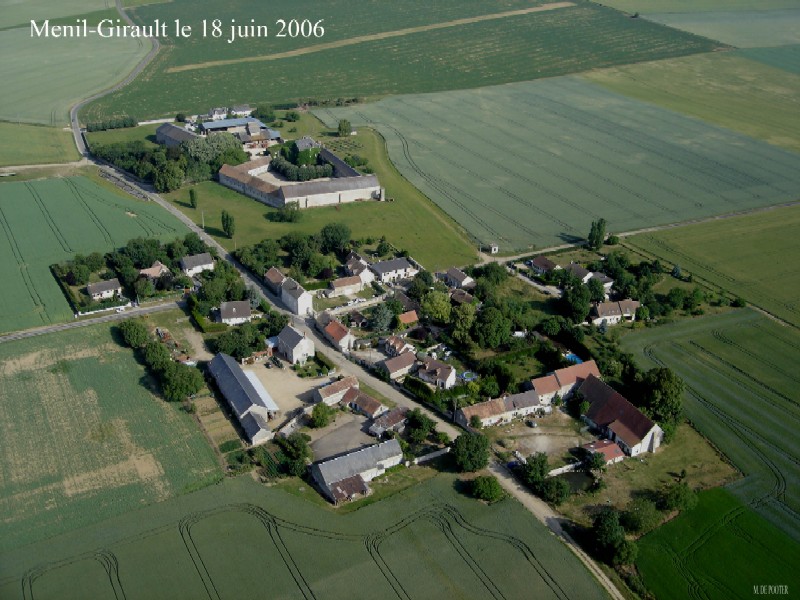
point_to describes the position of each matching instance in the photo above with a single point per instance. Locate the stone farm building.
(346, 185)
(610, 451)
(563, 381)
(247, 129)
(296, 298)
(249, 402)
(439, 374)
(394, 420)
(345, 286)
(503, 410)
(345, 477)
(399, 365)
(363, 403)
(334, 392)
(170, 135)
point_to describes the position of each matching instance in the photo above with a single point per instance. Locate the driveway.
(346, 434)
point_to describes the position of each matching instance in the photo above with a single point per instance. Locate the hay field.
(50, 220)
(399, 60)
(22, 144)
(534, 163)
(752, 256)
(84, 438)
(243, 540)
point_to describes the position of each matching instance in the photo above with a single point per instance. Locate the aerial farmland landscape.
(399, 300)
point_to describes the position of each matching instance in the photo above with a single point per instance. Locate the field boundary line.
(370, 38)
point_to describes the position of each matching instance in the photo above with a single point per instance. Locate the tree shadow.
(570, 238)
(463, 487)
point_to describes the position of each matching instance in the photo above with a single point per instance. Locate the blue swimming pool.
(573, 358)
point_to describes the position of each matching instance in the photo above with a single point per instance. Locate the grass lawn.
(142, 133)
(411, 221)
(22, 144)
(725, 89)
(423, 540)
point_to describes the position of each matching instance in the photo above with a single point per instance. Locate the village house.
(235, 313)
(274, 279)
(502, 410)
(334, 392)
(612, 313)
(541, 265)
(249, 401)
(339, 336)
(345, 477)
(388, 271)
(583, 275)
(197, 263)
(607, 282)
(358, 320)
(104, 290)
(363, 403)
(171, 136)
(619, 420)
(242, 110)
(437, 373)
(154, 272)
(394, 420)
(407, 303)
(407, 319)
(296, 298)
(295, 346)
(218, 114)
(563, 381)
(355, 265)
(458, 297)
(395, 345)
(609, 450)
(401, 365)
(456, 278)
(345, 286)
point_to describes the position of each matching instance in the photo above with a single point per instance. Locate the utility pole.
(203, 217)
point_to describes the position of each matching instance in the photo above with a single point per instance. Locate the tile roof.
(336, 331)
(546, 385)
(273, 275)
(234, 310)
(235, 386)
(576, 373)
(339, 386)
(196, 260)
(436, 369)
(291, 287)
(457, 275)
(155, 271)
(608, 408)
(461, 296)
(398, 363)
(175, 133)
(396, 344)
(349, 487)
(103, 286)
(345, 282)
(577, 270)
(408, 318)
(544, 263)
(501, 406)
(290, 337)
(391, 418)
(609, 449)
(365, 402)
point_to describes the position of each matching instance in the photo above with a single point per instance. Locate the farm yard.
(378, 52)
(724, 89)
(240, 539)
(761, 266)
(741, 378)
(545, 158)
(69, 215)
(84, 438)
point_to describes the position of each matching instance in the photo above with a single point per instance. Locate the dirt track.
(370, 38)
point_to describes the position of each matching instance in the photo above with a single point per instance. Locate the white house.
(542, 265)
(614, 312)
(345, 286)
(339, 335)
(274, 279)
(400, 365)
(295, 346)
(296, 297)
(437, 373)
(393, 270)
(456, 278)
(502, 410)
(242, 110)
(104, 290)
(334, 392)
(564, 381)
(395, 345)
(235, 313)
(197, 263)
(345, 477)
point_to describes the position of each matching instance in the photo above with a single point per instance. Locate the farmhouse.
(274, 279)
(388, 271)
(394, 420)
(395, 345)
(247, 129)
(295, 346)
(249, 402)
(399, 365)
(583, 275)
(157, 270)
(363, 403)
(242, 110)
(456, 278)
(334, 392)
(345, 286)
(609, 450)
(339, 335)
(563, 381)
(197, 263)
(235, 313)
(542, 265)
(437, 373)
(345, 477)
(502, 410)
(607, 282)
(296, 298)
(614, 312)
(618, 419)
(170, 135)
(104, 289)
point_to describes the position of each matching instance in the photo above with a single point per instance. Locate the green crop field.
(43, 77)
(741, 374)
(536, 162)
(377, 51)
(16, 12)
(41, 145)
(646, 7)
(752, 256)
(84, 438)
(782, 57)
(142, 133)
(48, 221)
(724, 89)
(410, 221)
(720, 549)
(743, 29)
(242, 540)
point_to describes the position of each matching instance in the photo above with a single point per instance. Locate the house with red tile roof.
(609, 450)
(502, 410)
(563, 381)
(334, 392)
(363, 403)
(339, 335)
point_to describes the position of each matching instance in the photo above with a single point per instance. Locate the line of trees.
(113, 123)
(293, 172)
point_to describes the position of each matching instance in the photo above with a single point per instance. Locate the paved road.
(542, 511)
(112, 316)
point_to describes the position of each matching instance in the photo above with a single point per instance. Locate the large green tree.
(134, 333)
(492, 329)
(334, 237)
(180, 381)
(228, 224)
(471, 451)
(661, 392)
(436, 305)
(597, 234)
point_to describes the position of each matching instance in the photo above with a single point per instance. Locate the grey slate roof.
(234, 385)
(330, 186)
(174, 133)
(355, 463)
(291, 287)
(226, 123)
(340, 168)
(305, 143)
(251, 426)
(290, 337)
(234, 310)
(103, 286)
(386, 266)
(196, 260)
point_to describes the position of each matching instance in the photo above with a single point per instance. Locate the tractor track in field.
(48, 218)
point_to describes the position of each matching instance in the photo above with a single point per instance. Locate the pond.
(578, 481)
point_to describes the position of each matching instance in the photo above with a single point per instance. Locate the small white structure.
(235, 313)
(502, 410)
(393, 270)
(104, 290)
(296, 298)
(295, 346)
(197, 263)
